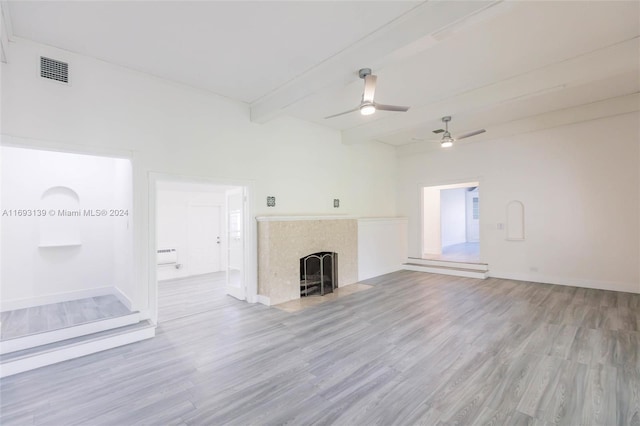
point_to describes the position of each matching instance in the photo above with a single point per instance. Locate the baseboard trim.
(571, 282)
(44, 338)
(468, 273)
(122, 298)
(76, 351)
(264, 300)
(11, 305)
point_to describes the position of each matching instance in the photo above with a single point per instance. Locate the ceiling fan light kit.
(447, 140)
(367, 109)
(367, 105)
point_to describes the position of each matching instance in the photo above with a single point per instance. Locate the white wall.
(579, 185)
(431, 229)
(382, 246)
(453, 216)
(172, 226)
(177, 130)
(42, 264)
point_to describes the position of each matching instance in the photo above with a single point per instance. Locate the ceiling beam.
(6, 30)
(404, 36)
(577, 114)
(579, 70)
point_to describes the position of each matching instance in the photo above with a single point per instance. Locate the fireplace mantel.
(299, 218)
(283, 240)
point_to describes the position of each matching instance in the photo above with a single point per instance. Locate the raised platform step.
(478, 266)
(46, 337)
(447, 270)
(52, 353)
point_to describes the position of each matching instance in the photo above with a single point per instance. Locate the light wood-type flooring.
(54, 316)
(181, 297)
(415, 349)
(463, 252)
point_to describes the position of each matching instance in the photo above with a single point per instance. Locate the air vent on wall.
(54, 70)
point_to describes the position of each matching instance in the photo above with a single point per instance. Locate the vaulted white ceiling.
(508, 67)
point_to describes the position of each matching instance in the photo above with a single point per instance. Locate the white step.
(32, 358)
(478, 266)
(44, 338)
(444, 270)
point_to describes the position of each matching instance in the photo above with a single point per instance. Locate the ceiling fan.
(367, 105)
(448, 140)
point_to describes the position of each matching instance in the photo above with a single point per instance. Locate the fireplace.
(284, 241)
(318, 274)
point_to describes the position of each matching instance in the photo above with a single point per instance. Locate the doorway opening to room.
(451, 222)
(200, 246)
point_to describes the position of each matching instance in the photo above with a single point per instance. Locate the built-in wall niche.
(515, 221)
(59, 225)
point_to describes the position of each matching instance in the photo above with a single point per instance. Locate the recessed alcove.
(59, 225)
(57, 250)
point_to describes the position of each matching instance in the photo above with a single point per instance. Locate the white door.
(473, 216)
(235, 243)
(203, 239)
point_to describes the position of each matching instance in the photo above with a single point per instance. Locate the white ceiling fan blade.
(369, 88)
(343, 113)
(382, 107)
(425, 140)
(468, 135)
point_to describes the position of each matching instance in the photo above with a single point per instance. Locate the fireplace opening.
(318, 274)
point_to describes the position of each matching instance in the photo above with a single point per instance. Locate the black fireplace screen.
(318, 274)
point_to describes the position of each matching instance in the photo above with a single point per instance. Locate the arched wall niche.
(61, 225)
(515, 221)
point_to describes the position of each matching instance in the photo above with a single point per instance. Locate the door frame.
(250, 255)
(447, 184)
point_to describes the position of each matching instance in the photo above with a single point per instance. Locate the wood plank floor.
(463, 252)
(415, 349)
(54, 316)
(181, 297)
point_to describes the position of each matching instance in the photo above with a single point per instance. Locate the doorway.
(451, 222)
(200, 246)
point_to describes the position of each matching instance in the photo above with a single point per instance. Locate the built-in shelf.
(61, 244)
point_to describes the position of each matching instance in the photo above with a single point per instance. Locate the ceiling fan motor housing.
(364, 72)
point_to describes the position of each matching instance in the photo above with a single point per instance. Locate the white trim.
(479, 266)
(296, 218)
(446, 271)
(264, 300)
(55, 356)
(11, 305)
(39, 339)
(625, 287)
(383, 219)
(122, 298)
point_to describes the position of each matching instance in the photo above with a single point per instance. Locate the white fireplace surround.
(284, 240)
